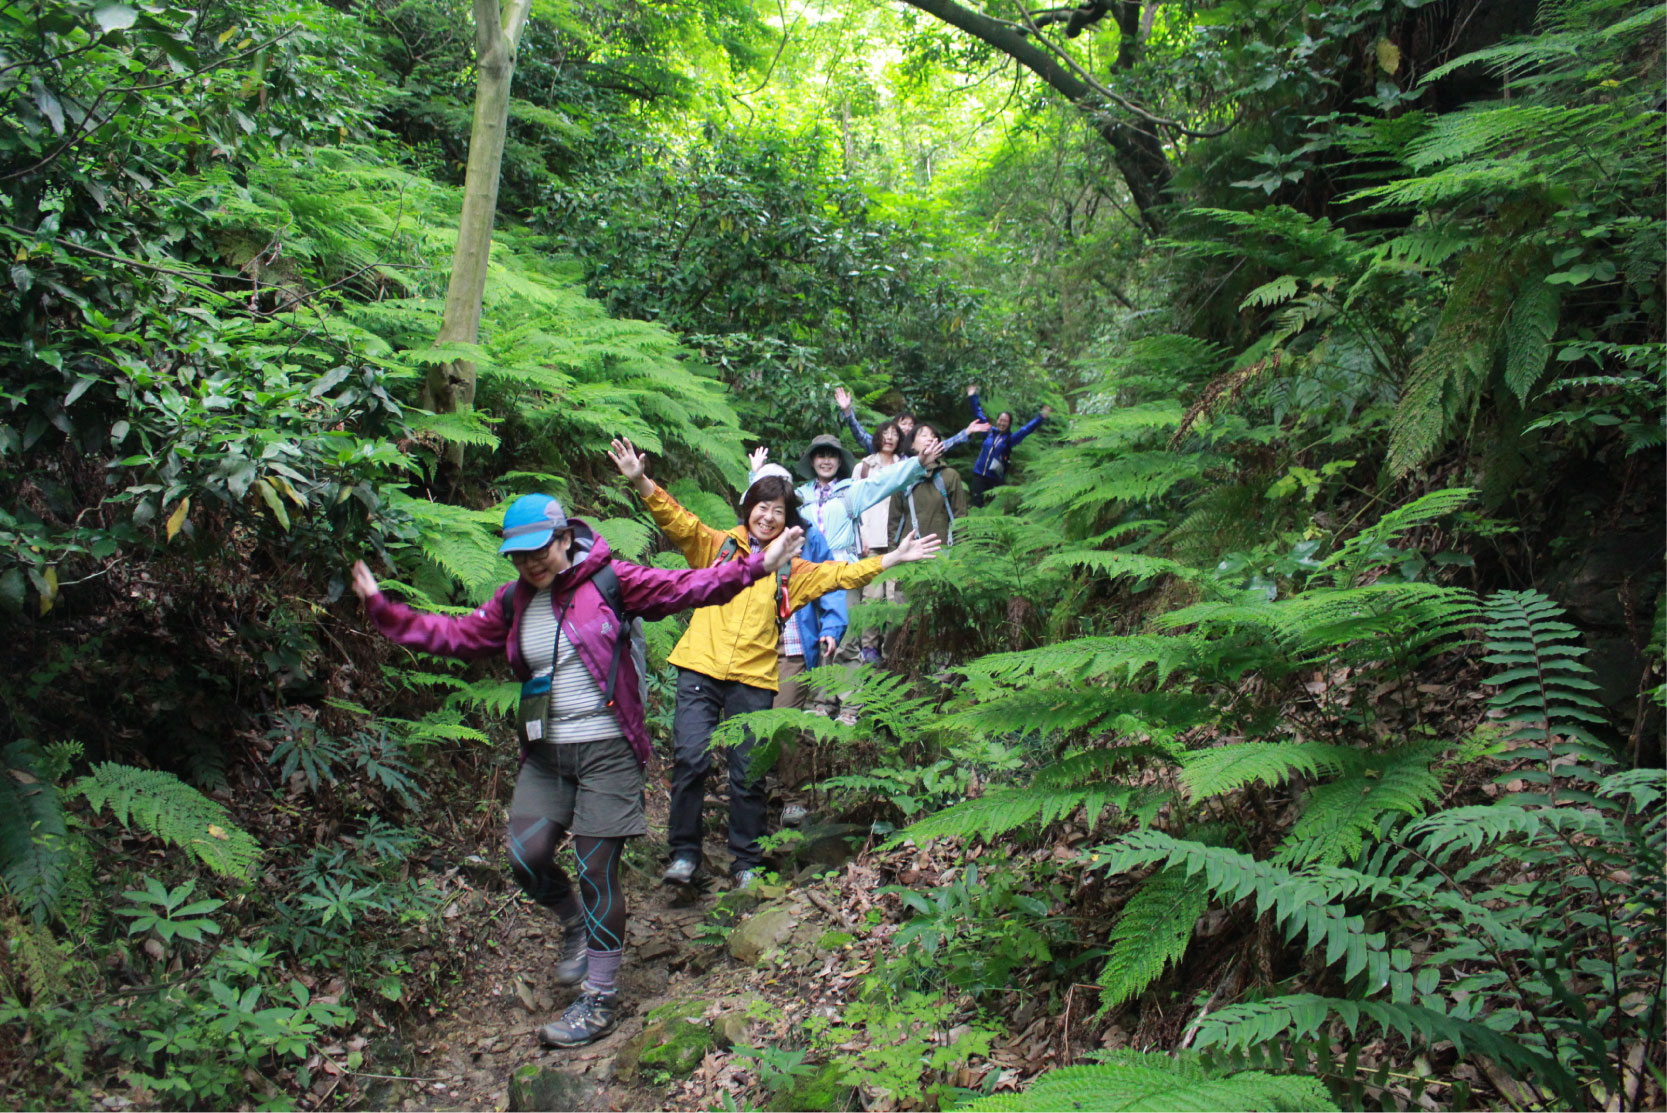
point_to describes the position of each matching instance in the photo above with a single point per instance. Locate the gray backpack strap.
(949, 511)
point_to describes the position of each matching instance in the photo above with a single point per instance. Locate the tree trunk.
(450, 387)
(1140, 156)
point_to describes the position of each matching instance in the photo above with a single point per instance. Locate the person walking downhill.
(994, 455)
(727, 658)
(565, 626)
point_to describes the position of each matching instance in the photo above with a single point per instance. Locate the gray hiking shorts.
(594, 789)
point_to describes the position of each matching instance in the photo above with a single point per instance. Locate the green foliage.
(1134, 1080)
(33, 835)
(162, 805)
(1151, 933)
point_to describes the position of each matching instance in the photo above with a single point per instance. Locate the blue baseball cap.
(530, 522)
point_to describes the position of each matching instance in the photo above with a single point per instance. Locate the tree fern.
(1135, 1080)
(163, 805)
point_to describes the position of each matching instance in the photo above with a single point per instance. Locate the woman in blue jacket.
(990, 469)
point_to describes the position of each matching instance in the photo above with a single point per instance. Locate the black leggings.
(532, 858)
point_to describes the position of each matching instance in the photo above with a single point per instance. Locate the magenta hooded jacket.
(648, 593)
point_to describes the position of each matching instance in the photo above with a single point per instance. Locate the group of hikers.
(770, 598)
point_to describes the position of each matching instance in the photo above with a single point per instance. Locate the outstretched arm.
(480, 633)
(653, 593)
(1030, 426)
(977, 407)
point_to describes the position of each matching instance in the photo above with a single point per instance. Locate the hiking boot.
(586, 1020)
(574, 963)
(793, 814)
(681, 871)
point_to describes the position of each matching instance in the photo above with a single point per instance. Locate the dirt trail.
(464, 1059)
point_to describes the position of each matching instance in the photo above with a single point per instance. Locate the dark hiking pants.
(702, 703)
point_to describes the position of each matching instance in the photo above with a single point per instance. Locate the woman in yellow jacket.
(726, 660)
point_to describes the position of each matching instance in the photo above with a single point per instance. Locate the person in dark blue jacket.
(994, 455)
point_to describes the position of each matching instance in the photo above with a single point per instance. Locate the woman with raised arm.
(994, 455)
(565, 626)
(726, 660)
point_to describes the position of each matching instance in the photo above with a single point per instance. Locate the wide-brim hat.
(847, 462)
(530, 523)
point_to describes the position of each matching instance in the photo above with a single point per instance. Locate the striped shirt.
(576, 713)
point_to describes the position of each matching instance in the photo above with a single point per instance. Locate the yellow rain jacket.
(737, 641)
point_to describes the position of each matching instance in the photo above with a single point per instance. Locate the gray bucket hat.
(847, 462)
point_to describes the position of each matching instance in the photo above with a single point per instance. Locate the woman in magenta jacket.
(584, 739)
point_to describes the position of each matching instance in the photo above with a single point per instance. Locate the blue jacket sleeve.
(957, 439)
(1025, 430)
(858, 431)
(977, 407)
(826, 617)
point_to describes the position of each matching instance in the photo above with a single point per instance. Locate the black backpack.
(607, 582)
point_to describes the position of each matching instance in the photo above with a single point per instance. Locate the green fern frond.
(34, 839)
(463, 542)
(1301, 902)
(1358, 554)
(1003, 810)
(1468, 829)
(1337, 817)
(470, 427)
(1115, 565)
(1529, 329)
(1300, 1016)
(1152, 931)
(1223, 769)
(1116, 658)
(627, 538)
(1545, 686)
(498, 698)
(1039, 711)
(1135, 1080)
(163, 805)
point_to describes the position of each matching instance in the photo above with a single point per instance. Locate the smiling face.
(906, 423)
(888, 440)
(767, 519)
(1004, 422)
(540, 567)
(825, 464)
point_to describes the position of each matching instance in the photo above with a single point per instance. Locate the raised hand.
(930, 453)
(630, 465)
(783, 549)
(1047, 411)
(760, 456)
(842, 398)
(912, 548)
(972, 389)
(978, 427)
(364, 583)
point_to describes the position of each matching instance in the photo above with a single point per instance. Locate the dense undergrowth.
(1258, 711)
